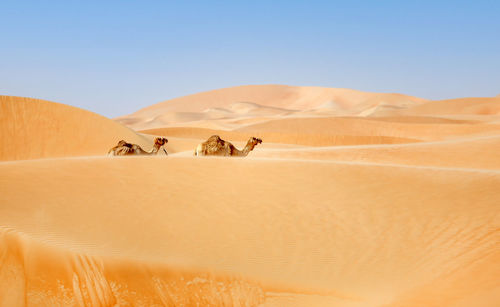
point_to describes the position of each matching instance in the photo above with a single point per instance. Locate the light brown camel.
(215, 146)
(126, 149)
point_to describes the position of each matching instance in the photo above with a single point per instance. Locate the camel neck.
(154, 151)
(248, 148)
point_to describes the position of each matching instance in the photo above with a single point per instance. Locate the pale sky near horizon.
(115, 57)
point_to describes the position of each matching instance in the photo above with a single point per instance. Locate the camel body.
(127, 149)
(215, 146)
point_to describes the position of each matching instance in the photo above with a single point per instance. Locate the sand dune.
(267, 100)
(343, 234)
(236, 111)
(352, 199)
(460, 106)
(33, 128)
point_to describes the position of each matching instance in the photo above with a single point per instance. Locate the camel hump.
(124, 143)
(214, 138)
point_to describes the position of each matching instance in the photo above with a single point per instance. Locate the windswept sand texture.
(352, 199)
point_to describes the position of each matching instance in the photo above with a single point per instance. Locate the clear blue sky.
(114, 57)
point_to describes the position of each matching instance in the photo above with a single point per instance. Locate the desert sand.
(352, 199)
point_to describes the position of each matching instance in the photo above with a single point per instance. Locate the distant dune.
(460, 106)
(33, 128)
(353, 199)
(266, 100)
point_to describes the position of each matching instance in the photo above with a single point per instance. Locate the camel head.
(254, 141)
(160, 142)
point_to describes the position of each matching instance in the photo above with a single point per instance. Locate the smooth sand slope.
(33, 128)
(352, 199)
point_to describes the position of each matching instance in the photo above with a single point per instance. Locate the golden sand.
(340, 206)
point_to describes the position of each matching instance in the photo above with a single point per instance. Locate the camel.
(215, 146)
(126, 149)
